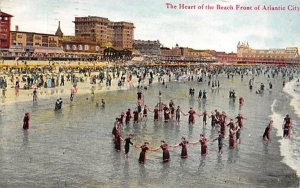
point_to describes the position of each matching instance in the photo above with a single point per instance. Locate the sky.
(199, 29)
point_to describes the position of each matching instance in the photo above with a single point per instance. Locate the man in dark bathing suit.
(127, 145)
(145, 113)
(178, 111)
(287, 126)
(220, 142)
(128, 116)
(266, 135)
(26, 121)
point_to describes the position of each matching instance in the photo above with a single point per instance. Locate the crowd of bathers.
(170, 113)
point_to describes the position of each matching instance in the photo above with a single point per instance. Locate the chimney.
(17, 28)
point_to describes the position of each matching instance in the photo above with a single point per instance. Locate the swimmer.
(140, 95)
(287, 126)
(26, 121)
(34, 96)
(166, 113)
(200, 94)
(241, 101)
(204, 120)
(184, 143)
(178, 112)
(128, 116)
(266, 135)
(172, 111)
(102, 103)
(232, 136)
(127, 145)
(115, 128)
(145, 113)
(144, 148)
(191, 113)
(118, 140)
(122, 118)
(220, 142)
(214, 119)
(166, 155)
(204, 144)
(135, 116)
(240, 121)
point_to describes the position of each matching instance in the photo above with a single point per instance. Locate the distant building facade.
(147, 47)
(31, 44)
(190, 54)
(101, 30)
(245, 54)
(171, 54)
(123, 35)
(181, 54)
(224, 57)
(112, 54)
(5, 25)
(74, 44)
(21, 38)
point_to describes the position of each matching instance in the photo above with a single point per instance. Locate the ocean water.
(290, 148)
(74, 147)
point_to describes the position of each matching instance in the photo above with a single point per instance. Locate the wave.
(286, 145)
(293, 90)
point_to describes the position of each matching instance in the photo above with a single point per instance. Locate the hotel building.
(107, 33)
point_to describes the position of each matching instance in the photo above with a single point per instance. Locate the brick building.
(101, 30)
(5, 25)
(147, 47)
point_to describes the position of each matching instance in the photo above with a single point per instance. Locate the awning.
(48, 51)
(139, 59)
(16, 50)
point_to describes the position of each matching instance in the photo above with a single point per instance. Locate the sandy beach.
(84, 87)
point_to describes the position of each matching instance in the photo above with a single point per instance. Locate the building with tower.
(58, 32)
(246, 54)
(30, 44)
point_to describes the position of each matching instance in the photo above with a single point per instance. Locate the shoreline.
(84, 88)
(289, 89)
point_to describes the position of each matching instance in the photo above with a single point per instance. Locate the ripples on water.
(74, 147)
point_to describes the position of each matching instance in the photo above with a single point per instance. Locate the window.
(74, 47)
(37, 37)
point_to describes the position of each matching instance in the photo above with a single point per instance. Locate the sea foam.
(288, 147)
